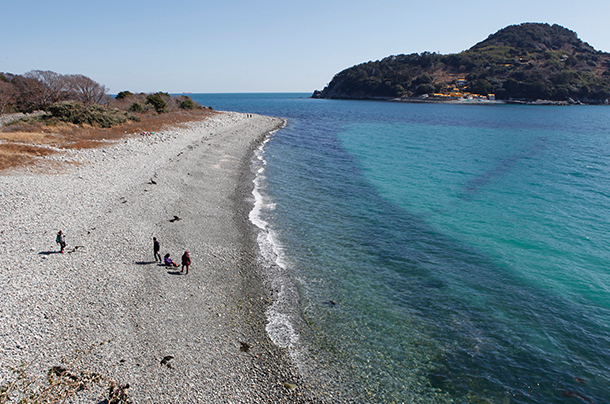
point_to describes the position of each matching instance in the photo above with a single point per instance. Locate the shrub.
(424, 89)
(123, 94)
(136, 107)
(28, 120)
(480, 86)
(423, 79)
(187, 103)
(78, 114)
(157, 101)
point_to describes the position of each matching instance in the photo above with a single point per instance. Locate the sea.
(436, 253)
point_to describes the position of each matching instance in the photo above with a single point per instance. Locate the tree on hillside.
(528, 61)
(85, 90)
(8, 95)
(30, 94)
(54, 88)
(481, 86)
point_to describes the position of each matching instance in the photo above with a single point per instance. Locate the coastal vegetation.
(44, 111)
(525, 62)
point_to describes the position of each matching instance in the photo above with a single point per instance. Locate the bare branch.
(85, 90)
(30, 96)
(55, 86)
(8, 95)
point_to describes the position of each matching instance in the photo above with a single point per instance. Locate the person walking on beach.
(156, 248)
(186, 262)
(61, 240)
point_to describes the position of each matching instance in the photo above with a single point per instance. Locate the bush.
(424, 89)
(157, 101)
(423, 79)
(136, 107)
(123, 94)
(79, 114)
(187, 103)
(480, 86)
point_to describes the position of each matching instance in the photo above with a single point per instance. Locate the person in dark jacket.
(156, 248)
(186, 262)
(61, 240)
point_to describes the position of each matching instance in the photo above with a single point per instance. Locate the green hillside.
(530, 61)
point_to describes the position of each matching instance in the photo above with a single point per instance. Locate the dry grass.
(26, 137)
(23, 145)
(14, 154)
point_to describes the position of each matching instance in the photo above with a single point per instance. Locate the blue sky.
(263, 46)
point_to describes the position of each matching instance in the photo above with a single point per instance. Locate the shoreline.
(108, 290)
(431, 100)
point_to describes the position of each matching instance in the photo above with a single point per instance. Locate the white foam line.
(280, 326)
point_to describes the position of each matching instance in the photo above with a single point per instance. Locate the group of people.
(186, 259)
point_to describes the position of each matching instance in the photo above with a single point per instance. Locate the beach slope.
(107, 305)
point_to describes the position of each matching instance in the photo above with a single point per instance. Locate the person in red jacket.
(186, 262)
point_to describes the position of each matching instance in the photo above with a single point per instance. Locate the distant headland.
(526, 63)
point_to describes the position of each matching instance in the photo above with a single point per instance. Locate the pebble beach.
(106, 306)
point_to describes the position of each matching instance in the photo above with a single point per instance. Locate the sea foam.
(280, 315)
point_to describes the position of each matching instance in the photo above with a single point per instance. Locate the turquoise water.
(439, 253)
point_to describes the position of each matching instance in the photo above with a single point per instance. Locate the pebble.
(107, 306)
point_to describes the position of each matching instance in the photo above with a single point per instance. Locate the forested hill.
(530, 61)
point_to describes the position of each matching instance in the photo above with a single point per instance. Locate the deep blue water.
(439, 252)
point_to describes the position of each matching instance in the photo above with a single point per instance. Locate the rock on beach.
(107, 305)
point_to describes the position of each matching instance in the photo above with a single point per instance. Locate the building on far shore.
(456, 95)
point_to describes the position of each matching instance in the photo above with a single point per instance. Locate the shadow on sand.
(145, 262)
(48, 252)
